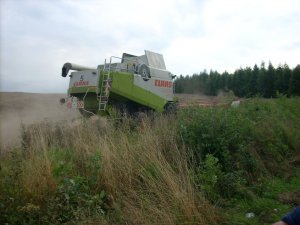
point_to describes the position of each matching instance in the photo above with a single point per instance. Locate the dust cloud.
(28, 108)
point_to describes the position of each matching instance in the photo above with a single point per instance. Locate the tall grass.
(134, 173)
(155, 170)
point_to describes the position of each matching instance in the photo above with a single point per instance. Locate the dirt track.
(28, 108)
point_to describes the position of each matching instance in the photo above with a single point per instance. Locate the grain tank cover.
(155, 60)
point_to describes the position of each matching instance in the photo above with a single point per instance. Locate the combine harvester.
(133, 84)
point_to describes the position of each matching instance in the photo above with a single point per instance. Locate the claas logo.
(81, 83)
(163, 83)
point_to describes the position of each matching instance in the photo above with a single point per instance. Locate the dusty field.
(28, 108)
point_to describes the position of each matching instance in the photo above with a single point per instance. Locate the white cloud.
(240, 33)
(37, 37)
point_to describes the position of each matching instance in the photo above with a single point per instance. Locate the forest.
(264, 81)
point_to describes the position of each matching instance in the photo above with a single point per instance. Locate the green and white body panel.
(154, 93)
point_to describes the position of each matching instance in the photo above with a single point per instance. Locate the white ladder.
(104, 87)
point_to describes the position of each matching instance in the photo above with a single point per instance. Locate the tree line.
(260, 80)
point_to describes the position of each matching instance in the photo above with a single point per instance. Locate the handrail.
(130, 60)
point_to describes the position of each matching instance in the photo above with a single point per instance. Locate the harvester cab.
(133, 83)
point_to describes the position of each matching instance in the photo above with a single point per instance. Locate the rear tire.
(171, 108)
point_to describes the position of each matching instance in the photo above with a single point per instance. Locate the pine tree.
(254, 81)
(261, 80)
(270, 91)
(295, 82)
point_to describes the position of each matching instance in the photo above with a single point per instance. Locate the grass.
(202, 166)
(276, 199)
(103, 174)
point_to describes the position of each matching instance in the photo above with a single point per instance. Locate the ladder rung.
(104, 98)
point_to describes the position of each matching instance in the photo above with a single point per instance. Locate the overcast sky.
(38, 36)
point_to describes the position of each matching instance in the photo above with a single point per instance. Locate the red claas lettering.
(163, 83)
(81, 83)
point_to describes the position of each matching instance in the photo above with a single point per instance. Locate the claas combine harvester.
(132, 84)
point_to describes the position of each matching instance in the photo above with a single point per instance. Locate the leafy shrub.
(217, 184)
(217, 131)
(74, 201)
(208, 176)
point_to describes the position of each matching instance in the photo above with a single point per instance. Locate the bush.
(216, 131)
(208, 176)
(244, 140)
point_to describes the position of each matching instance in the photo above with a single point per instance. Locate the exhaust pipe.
(71, 66)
